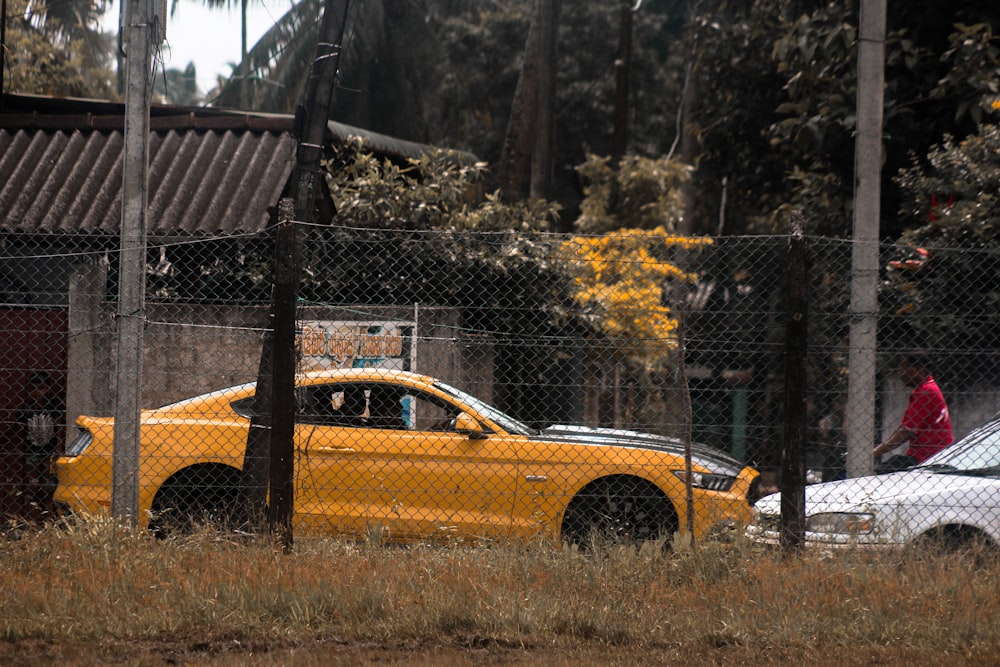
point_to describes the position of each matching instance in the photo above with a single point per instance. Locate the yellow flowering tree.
(620, 276)
(620, 281)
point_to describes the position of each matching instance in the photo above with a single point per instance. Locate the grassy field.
(94, 593)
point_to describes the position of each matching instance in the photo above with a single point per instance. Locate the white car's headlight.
(841, 523)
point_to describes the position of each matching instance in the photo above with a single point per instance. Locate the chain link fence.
(463, 385)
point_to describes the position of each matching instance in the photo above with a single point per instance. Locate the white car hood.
(911, 487)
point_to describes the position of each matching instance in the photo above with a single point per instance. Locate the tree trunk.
(541, 162)
(515, 159)
(623, 64)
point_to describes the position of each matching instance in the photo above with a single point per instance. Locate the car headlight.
(710, 481)
(841, 523)
(80, 443)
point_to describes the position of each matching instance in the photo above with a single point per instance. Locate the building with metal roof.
(213, 174)
(211, 171)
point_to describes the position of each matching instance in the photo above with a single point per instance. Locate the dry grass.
(95, 581)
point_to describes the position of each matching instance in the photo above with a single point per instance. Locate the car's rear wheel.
(205, 495)
(618, 510)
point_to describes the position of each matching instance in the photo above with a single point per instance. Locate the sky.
(209, 38)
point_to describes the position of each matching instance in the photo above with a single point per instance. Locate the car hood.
(701, 455)
(909, 487)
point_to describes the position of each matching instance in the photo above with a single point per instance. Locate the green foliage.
(973, 71)
(785, 74)
(433, 191)
(445, 74)
(641, 193)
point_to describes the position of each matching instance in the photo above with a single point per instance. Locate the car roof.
(362, 375)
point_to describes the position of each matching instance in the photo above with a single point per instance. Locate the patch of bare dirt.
(192, 652)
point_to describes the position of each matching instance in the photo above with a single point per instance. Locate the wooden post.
(793, 466)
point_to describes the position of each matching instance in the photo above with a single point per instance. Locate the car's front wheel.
(618, 510)
(954, 540)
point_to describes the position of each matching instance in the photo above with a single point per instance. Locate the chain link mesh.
(631, 331)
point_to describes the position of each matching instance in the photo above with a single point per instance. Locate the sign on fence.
(351, 344)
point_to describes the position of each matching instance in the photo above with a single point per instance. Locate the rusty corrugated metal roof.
(211, 171)
(200, 182)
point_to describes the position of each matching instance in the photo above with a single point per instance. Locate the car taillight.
(80, 443)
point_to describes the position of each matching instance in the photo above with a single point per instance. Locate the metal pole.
(132, 262)
(860, 409)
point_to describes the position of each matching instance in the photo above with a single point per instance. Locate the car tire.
(618, 510)
(954, 541)
(197, 496)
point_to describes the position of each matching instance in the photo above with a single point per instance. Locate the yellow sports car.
(409, 458)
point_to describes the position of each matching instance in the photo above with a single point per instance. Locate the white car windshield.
(506, 422)
(977, 451)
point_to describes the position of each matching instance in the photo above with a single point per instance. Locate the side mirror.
(467, 424)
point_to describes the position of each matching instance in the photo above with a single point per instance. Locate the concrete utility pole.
(139, 20)
(860, 409)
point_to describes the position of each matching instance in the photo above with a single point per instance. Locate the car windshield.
(506, 422)
(978, 450)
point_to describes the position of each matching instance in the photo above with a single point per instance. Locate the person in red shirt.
(926, 425)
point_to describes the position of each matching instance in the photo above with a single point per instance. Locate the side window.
(374, 405)
(402, 408)
(333, 405)
(425, 412)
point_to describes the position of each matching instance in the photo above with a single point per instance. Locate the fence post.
(796, 385)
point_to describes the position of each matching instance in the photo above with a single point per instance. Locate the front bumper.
(829, 541)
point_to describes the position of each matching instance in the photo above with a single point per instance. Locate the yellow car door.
(406, 473)
(332, 495)
(444, 485)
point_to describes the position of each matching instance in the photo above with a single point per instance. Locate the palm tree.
(74, 26)
(241, 75)
(57, 49)
(271, 76)
(385, 80)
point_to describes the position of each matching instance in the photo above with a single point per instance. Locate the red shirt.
(927, 419)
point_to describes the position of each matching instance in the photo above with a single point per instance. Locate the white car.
(953, 498)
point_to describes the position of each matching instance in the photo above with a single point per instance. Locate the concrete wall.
(191, 349)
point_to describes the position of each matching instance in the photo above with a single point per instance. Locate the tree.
(620, 280)
(58, 50)
(445, 73)
(176, 86)
(527, 147)
(946, 296)
(785, 72)
(389, 52)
